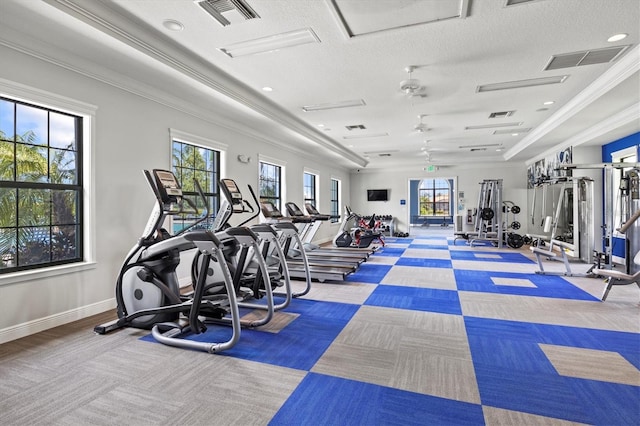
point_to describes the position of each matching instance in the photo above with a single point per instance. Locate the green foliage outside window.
(193, 163)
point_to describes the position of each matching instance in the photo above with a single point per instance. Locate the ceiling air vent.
(477, 149)
(384, 155)
(501, 114)
(356, 127)
(232, 8)
(516, 2)
(586, 57)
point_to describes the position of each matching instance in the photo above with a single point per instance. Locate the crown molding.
(624, 68)
(135, 34)
(624, 117)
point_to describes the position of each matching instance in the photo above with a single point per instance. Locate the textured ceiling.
(362, 53)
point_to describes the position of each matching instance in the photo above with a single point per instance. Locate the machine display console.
(167, 185)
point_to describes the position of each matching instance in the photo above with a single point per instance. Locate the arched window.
(434, 196)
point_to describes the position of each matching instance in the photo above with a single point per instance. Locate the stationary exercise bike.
(352, 234)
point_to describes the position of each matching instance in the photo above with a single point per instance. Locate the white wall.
(468, 181)
(132, 134)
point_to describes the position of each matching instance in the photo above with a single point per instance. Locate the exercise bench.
(557, 255)
(618, 277)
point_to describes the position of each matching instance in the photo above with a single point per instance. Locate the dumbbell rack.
(488, 221)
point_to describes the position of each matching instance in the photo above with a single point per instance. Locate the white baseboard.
(35, 326)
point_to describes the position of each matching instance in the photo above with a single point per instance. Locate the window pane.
(442, 194)
(63, 166)
(64, 207)
(7, 248)
(31, 125)
(34, 207)
(31, 163)
(190, 164)
(188, 159)
(33, 246)
(6, 119)
(7, 207)
(64, 243)
(6, 160)
(177, 154)
(62, 133)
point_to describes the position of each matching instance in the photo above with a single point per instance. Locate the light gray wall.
(468, 178)
(132, 134)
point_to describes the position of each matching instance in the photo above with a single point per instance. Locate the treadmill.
(321, 270)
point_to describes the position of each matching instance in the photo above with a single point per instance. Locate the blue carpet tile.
(416, 299)
(398, 240)
(326, 400)
(299, 345)
(513, 373)
(429, 246)
(546, 285)
(426, 263)
(389, 251)
(369, 273)
(478, 255)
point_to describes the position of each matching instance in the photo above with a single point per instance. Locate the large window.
(270, 183)
(194, 163)
(434, 195)
(335, 200)
(309, 186)
(40, 187)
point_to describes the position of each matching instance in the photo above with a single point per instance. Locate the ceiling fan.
(411, 86)
(421, 127)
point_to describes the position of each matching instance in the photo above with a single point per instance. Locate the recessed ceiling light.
(267, 89)
(542, 109)
(549, 103)
(617, 37)
(320, 125)
(498, 149)
(515, 134)
(173, 25)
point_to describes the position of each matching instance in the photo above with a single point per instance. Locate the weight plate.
(515, 225)
(487, 213)
(515, 209)
(515, 240)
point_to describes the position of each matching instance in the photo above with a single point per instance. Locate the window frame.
(86, 174)
(278, 200)
(313, 188)
(433, 192)
(46, 188)
(334, 200)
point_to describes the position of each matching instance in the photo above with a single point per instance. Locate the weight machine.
(629, 192)
(566, 224)
(488, 221)
(629, 202)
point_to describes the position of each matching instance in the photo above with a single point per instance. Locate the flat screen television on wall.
(377, 195)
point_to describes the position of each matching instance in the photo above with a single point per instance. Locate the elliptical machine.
(147, 290)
